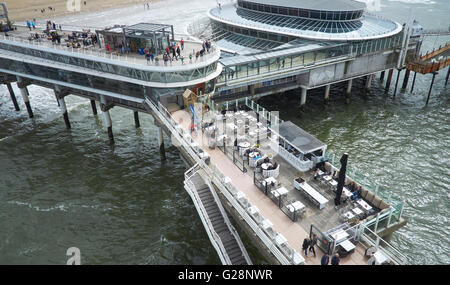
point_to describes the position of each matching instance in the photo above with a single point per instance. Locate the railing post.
(390, 216)
(401, 210)
(376, 223)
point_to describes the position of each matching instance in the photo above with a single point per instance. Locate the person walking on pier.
(182, 44)
(33, 23)
(152, 56)
(178, 51)
(312, 243)
(335, 260)
(325, 259)
(305, 245)
(29, 25)
(147, 56)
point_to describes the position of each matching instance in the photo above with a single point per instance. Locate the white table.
(244, 144)
(333, 182)
(364, 205)
(232, 126)
(266, 224)
(266, 165)
(347, 245)
(349, 215)
(282, 191)
(296, 206)
(226, 180)
(253, 154)
(347, 193)
(357, 211)
(322, 201)
(327, 178)
(239, 122)
(269, 181)
(339, 236)
(280, 239)
(380, 258)
(320, 172)
(253, 210)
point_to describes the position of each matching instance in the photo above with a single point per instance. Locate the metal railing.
(217, 178)
(214, 237)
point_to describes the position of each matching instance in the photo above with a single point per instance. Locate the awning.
(299, 138)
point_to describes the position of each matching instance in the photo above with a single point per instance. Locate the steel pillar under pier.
(26, 100)
(303, 98)
(327, 94)
(94, 107)
(109, 126)
(414, 81)
(348, 91)
(396, 82)
(388, 81)
(13, 96)
(446, 78)
(382, 76)
(406, 79)
(161, 142)
(62, 105)
(136, 120)
(431, 87)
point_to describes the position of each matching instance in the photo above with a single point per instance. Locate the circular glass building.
(283, 21)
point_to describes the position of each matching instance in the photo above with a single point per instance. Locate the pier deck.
(294, 232)
(24, 34)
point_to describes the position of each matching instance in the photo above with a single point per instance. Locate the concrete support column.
(13, 96)
(406, 79)
(327, 94)
(303, 98)
(136, 120)
(348, 91)
(24, 92)
(94, 107)
(414, 81)
(382, 76)
(62, 105)
(388, 81)
(251, 90)
(109, 126)
(396, 82)
(368, 84)
(431, 87)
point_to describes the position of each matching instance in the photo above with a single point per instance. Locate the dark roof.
(322, 5)
(305, 142)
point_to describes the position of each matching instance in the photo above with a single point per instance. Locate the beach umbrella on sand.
(341, 179)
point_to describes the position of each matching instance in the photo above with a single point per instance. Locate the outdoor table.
(333, 182)
(266, 165)
(316, 196)
(229, 115)
(339, 236)
(349, 215)
(357, 211)
(347, 193)
(282, 191)
(253, 154)
(244, 144)
(239, 122)
(320, 172)
(327, 178)
(296, 206)
(347, 245)
(266, 224)
(280, 239)
(380, 258)
(269, 181)
(364, 205)
(253, 210)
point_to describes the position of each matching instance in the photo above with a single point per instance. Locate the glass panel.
(252, 68)
(263, 66)
(297, 60)
(274, 64)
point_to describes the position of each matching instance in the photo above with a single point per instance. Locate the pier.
(237, 67)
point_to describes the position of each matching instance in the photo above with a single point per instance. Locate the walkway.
(293, 232)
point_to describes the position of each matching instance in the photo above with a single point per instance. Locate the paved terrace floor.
(23, 33)
(294, 232)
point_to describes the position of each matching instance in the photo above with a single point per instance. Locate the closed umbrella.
(341, 179)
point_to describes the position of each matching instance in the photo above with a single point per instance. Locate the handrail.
(230, 226)
(205, 217)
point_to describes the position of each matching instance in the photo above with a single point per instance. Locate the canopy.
(299, 138)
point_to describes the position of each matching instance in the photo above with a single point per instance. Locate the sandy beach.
(22, 10)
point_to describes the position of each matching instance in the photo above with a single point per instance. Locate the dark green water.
(124, 205)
